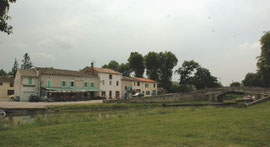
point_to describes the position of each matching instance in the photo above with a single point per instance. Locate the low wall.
(176, 97)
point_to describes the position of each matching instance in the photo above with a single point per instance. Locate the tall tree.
(124, 68)
(26, 62)
(203, 79)
(136, 62)
(4, 8)
(152, 64)
(168, 61)
(186, 71)
(264, 60)
(3, 73)
(252, 80)
(114, 65)
(14, 68)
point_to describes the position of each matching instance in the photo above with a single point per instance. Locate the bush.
(34, 98)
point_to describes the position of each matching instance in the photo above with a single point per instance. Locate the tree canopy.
(252, 80)
(14, 68)
(114, 65)
(235, 84)
(203, 79)
(26, 62)
(136, 62)
(185, 72)
(152, 64)
(124, 68)
(3, 73)
(263, 63)
(4, 8)
(168, 61)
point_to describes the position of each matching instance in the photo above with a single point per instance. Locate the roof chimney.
(92, 68)
(92, 64)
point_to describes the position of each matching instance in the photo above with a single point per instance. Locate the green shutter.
(29, 81)
(49, 83)
(92, 84)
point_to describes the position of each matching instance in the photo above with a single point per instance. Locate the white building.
(110, 81)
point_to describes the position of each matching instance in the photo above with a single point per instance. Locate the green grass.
(106, 106)
(157, 126)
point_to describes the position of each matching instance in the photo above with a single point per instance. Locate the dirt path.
(5, 103)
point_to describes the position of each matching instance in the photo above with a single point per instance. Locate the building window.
(92, 85)
(11, 84)
(110, 94)
(85, 84)
(110, 82)
(117, 94)
(110, 77)
(125, 87)
(29, 81)
(49, 83)
(103, 93)
(134, 83)
(117, 83)
(154, 85)
(63, 83)
(146, 85)
(154, 93)
(103, 82)
(1, 83)
(72, 83)
(147, 92)
(138, 83)
(10, 92)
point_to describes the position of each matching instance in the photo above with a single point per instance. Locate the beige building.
(56, 83)
(143, 85)
(6, 87)
(26, 84)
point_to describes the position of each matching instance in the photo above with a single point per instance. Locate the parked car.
(138, 94)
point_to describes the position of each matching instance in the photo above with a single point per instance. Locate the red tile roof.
(107, 70)
(145, 80)
(27, 72)
(138, 79)
(10, 80)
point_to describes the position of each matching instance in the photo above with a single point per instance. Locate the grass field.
(157, 126)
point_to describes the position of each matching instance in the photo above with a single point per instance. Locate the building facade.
(26, 84)
(142, 85)
(55, 83)
(6, 87)
(110, 81)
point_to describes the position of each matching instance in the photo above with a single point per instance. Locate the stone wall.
(175, 97)
(200, 95)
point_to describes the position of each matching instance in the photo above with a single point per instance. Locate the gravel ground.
(6, 103)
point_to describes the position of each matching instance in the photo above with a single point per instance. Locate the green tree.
(26, 62)
(3, 73)
(4, 8)
(252, 80)
(203, 79)
(235, 84)
(264, 60)
(114, 65)
(168, 61)
(124, 68)
(152, 64)
(14, 68)
(136, 62)
(186, 71)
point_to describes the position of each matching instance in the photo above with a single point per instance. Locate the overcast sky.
(221, 35)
